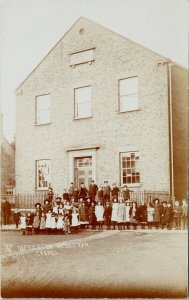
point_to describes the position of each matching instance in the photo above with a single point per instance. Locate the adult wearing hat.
(83, 192)
(156, 215)
(50, 194)
(93, 188)
(126, 193)
(47, 206)
(106, 192)
(114, 191)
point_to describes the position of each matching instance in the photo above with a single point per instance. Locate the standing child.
(177, 215)
(65, 195)
(48, 221)
(67, 222)
(75, 219)
(92, 216)
(29, 223)
(60, 223)
(156, 213)
(99, 212)
(142, 210)
(16, 217)
(107, 215)
(162, 214)
(150, 215)
(184, 214)
(169, 216)
(23, 223)
(53, 223)
(42, 222)
(36, 222)
(134, 215)
(121, 215)
(114, 212)
(127, 214)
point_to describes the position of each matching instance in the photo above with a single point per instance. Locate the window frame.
(84, 117)
(37, 111)
(36, 175)
(84, 62)
(119, 95)
(121, 154)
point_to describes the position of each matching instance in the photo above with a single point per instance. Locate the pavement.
(95, 264)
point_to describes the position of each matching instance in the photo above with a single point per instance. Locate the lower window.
(43, 174)
(130, 174)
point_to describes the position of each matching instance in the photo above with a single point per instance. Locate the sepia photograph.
(94, 149)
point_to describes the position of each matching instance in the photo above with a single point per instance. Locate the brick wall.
(145, 130)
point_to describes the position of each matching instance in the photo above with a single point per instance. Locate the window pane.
(84, 109)
(83, 94)
(128, 103)
(129, 86)
(130, 174)
(43, 116)
(43, 173)
(43, 102)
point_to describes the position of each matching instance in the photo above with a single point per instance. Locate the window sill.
(43, 124)
(42, 189)
(132, 185)
(82, 118)
(127, 111)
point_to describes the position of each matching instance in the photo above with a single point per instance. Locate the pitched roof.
(86, 19)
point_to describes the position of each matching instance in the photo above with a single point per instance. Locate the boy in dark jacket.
(162, 214)
(29, 223)
(177, 215)
(169, 216)
(107, 215)
(16, 217)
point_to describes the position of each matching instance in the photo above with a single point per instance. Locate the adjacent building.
(102, 107)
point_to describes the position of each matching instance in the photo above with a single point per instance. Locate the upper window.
(43, 174)
(128, 94)
(81, 57)
(43, 113)
(83, 102)
(130, 174)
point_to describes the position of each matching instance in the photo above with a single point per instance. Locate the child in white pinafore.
(23, 223)
(48, 221)
(53, 223)
(60, 223)
(42, 223)
(115, 206)
(150, 214)
(75, 219)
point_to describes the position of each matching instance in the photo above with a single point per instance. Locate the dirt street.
(95, 264)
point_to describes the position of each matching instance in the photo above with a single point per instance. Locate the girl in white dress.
(75, 218)
(23, 223)
(114, 212)
(99, 212)
(60, 223)
(150, 215)
(48, 221)
(53, 223)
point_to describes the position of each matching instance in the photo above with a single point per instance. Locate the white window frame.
(128, 96)
(82, 57)
(127, 153)
(46, 186)
(37, 110)
(76, 104)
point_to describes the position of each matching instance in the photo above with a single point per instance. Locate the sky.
(30, 28)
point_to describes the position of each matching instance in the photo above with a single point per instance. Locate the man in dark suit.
(93, 188)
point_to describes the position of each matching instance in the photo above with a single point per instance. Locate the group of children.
(67, 214)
